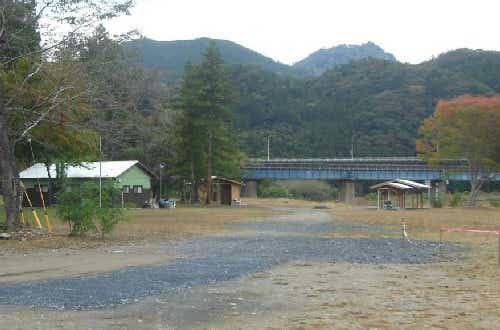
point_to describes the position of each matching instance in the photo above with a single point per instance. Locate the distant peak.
(328, 58)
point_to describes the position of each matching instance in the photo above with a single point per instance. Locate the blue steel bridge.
(347, 171)
(356, 169)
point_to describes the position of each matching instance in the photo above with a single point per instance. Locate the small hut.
(397, 193)
(224, 191)
(131, 177)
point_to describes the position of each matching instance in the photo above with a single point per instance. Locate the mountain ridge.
(172, 56)
(325, 59)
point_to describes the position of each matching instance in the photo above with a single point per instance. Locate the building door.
(225, 194)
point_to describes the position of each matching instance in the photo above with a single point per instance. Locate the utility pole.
(268, 147)
(352, 146)
(100, 171)
(161, 181)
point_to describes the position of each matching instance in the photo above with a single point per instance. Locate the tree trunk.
(9, 175)
(50, 188)
(475, 185)
(209, 169)
(193, 195)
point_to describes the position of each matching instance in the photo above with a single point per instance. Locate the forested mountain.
(328, 58)
(374, 106)
(172, 56)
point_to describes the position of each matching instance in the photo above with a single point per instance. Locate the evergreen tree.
(207, 146)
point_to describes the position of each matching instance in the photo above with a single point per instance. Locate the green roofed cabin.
(133, 178)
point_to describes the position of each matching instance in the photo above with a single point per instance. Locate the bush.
(273, 191)
(372, 197)
(456, 199)
(437, 202)
(494, 202)
(301, 189)
(312, 190)
(108, 218)
(80, 209)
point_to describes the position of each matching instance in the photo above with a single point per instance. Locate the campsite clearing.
(292, 267)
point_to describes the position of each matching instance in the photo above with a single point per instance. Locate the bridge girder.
(358, 169)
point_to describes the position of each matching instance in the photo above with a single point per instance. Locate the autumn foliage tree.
(466, 127)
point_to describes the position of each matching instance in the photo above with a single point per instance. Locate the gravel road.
(213, 259)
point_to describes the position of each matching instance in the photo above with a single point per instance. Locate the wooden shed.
(399, 193)
(224, 191)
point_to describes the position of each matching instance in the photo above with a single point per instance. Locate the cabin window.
(126, 189)
(44, 189)
(138, 189)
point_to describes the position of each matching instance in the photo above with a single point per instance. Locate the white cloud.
(290, 30)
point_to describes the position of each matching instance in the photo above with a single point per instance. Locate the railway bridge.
(347, 171)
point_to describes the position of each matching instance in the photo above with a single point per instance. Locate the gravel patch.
(215, 259)
(308, 227)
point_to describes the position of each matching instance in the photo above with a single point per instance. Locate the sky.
(288, 31)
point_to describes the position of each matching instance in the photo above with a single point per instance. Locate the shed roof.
(86, 170)
(413, 184)
(219, 178)
(401, 185)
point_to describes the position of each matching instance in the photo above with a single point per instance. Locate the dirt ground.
(135, 242)
(307, 296)
(463, 294)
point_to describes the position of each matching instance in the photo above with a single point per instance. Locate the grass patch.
(143, 224)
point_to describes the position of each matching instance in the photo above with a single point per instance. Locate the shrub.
(372, 197)
(456, 199)
(494, 202)
(273, 191)
(437, 202)
(313, 190)
(80, 208)
(108, 218)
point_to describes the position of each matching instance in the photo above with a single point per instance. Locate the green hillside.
(172, 56)
(373, 105)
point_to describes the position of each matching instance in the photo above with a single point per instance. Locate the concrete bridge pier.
(347, 191)
(250, 189)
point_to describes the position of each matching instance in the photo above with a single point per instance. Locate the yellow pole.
(49, 227)
(22, 217)
(38, 223)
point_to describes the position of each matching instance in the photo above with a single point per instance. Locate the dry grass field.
(140, 225)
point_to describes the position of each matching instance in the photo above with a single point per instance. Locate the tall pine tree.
(207, 144)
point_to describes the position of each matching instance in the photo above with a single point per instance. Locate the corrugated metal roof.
(413, 184)
(398, 185)
(401, 184)
(110, 169)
